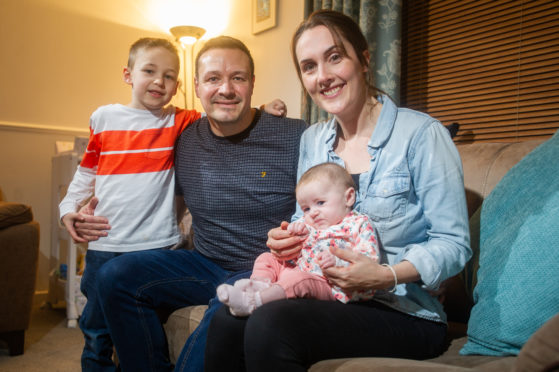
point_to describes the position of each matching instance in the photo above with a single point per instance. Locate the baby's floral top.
(355, 232)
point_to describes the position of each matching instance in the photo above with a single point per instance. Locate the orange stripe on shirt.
(142, 162)
(91, 156)
(147, 139)
(183, 118)
(138, 140)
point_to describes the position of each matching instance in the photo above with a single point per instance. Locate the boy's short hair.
(224, 42)
(147, 43)
(332, 172)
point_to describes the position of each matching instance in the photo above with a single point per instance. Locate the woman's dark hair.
(341, 27)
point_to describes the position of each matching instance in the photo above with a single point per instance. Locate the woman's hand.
(366, 273)
(283, 244)
(83, 226)
(362, 273)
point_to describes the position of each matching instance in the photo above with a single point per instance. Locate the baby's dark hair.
(329, 171)
(147, 43)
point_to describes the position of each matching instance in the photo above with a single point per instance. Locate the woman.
(410, 182)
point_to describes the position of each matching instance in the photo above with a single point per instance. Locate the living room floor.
(49, 344)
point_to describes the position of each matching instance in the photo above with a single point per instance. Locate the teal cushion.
(517, 287)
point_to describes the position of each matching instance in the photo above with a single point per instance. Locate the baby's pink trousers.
(295, 283)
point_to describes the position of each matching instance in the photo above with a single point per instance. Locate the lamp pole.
(187, 36)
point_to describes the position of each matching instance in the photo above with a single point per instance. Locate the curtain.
(380, 21)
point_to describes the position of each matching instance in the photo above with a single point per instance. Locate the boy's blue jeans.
(98, 348)
(132, 286)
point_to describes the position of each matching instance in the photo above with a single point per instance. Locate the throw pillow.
(14, 214)
(517, 289)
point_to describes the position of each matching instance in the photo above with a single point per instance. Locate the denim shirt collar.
(385, 123)
(383, 128)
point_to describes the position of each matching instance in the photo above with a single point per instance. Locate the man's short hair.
(148, 43)
(225, 42)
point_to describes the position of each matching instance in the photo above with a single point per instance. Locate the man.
(236, 169)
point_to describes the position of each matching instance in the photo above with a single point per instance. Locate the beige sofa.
(484, 166)
(19, 256)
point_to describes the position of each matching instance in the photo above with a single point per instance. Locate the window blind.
(491, 66)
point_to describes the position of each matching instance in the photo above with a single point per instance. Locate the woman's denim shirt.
(414, 193)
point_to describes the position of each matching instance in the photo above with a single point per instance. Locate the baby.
(326, 195)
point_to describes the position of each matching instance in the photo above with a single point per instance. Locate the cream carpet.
(49, 345)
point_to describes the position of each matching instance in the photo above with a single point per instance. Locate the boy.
(129, 167)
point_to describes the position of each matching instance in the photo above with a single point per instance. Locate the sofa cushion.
(380, 365)
(517, 290)
(452, 357)
(14, 214)
(180, 324)
(449, 361)
(469, 274)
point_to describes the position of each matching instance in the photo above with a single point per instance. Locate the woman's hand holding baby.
(362, 273)
(366, 273)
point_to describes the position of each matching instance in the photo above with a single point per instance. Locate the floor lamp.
(187, 36)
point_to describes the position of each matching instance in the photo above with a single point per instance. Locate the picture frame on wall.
(263, 15)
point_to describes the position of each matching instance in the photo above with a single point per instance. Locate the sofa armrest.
(19, 257)
(541, 351)
(12, 214)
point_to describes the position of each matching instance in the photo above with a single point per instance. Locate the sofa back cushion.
(486, 163)
(517, 289)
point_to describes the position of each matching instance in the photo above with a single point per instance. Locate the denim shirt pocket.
(387, 198)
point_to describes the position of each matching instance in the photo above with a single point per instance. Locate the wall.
(275, 75)
(60, 61)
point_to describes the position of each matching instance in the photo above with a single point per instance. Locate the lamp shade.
(187, 34)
